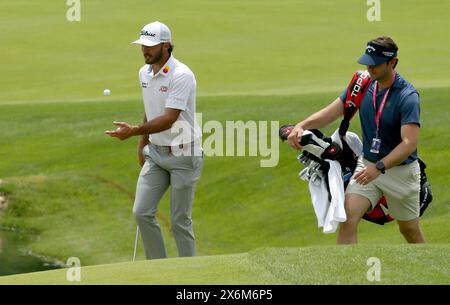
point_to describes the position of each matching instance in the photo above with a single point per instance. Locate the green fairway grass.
(256, 47)
(74, 186)
(412, 264)
(71, 187)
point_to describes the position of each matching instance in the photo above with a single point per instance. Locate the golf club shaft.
(136, 243)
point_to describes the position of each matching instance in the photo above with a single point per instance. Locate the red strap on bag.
(355, 93)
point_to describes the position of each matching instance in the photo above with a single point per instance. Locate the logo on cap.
(146, 33)
(153, 33)
(370, 49)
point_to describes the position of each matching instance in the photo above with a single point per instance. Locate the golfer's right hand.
(294, 137)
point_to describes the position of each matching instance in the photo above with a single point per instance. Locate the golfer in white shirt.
(170, 150)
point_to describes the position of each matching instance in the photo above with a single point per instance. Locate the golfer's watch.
(380, 166)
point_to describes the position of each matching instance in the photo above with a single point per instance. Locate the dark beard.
(154, 59)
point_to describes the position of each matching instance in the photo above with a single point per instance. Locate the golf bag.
(345, 147)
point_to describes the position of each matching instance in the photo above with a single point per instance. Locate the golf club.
(136, 243)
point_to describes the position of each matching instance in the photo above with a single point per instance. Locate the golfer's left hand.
(123, 131)
(367, 175)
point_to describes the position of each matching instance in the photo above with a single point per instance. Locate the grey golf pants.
(161, 169)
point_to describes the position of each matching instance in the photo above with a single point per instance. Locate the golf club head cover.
(284, 131)
(313, 144)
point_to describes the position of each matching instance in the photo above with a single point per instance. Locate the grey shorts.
(400, 185)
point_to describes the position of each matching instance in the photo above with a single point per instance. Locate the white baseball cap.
(153, 34)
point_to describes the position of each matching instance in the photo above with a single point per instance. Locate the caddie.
(390, 124)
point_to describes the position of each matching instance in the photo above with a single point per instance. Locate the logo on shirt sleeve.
(144, 85)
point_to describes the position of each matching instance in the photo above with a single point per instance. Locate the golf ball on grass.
(106, 92)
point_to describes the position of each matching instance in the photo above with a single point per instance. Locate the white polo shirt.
(174, 86)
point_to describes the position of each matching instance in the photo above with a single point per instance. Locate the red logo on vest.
(163, 89)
